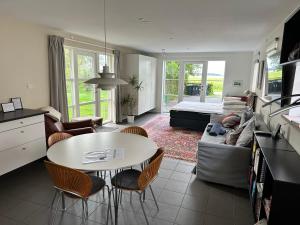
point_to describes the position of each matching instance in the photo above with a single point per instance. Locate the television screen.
(274, 75)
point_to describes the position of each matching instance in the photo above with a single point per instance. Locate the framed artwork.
(8, 107)
(17, 102)
(261, 74)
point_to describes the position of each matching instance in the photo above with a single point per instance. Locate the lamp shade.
(106, 80)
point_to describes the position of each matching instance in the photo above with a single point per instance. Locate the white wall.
(24, 60)
(291, 132)
(23, 63)
(238, 67)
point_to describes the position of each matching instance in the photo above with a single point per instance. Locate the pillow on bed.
(231, 120)
(231, 99)
(232, 136)
(234, 103)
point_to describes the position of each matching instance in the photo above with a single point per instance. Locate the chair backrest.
(69, 180)
(150, 172)
(135, 130)
(56, 137)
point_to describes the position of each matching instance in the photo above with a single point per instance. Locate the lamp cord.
(104, 13)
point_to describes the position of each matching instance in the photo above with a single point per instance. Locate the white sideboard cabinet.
(22, 138)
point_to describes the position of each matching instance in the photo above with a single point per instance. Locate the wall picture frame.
(8, 107)
(17, 101)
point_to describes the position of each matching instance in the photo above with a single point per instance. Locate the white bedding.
(211, 108)
(200, 107)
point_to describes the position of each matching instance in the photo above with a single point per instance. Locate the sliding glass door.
(171, 84)
(195, 81)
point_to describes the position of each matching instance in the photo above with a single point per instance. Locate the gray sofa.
(224, 164)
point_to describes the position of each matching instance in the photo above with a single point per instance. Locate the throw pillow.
(246, 136)
(232, 136)
(246, 116)
(231, 120)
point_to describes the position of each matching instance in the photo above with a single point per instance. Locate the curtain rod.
(87, 43)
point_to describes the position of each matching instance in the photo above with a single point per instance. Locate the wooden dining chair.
(56, 137)
(137, 181)
(135, 130)
(75, 184)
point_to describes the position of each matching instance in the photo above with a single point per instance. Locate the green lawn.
(275, 75)
(87, 94)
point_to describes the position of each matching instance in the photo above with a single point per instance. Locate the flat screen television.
(274, 76)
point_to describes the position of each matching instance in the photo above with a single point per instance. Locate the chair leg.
(131, 197)
(63, 202)
(142, 205)
(83, 211)
(53, 200)
(153, 197)
(52, 220)
(109, 206)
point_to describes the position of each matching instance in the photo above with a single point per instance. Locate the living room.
(106, 90)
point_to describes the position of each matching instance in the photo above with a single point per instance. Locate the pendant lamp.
(106, 80)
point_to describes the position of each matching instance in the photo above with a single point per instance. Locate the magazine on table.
(103, 155)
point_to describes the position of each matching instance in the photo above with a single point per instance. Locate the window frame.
(75, 81)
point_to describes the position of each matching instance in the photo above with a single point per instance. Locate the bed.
(196, 115)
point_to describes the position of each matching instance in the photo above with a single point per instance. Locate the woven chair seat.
(127, 179)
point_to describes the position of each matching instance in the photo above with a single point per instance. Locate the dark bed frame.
(197, 120)
(189, 120)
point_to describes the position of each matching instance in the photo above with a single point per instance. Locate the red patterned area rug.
(178, 143)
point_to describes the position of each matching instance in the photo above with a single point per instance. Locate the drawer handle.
(24, 148)
(22, 131)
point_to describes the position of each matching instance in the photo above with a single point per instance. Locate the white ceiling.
(177, 25)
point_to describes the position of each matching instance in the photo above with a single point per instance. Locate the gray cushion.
(220, 139)
(246, 136)
(246, 116)
(127, 179)
(233, 135)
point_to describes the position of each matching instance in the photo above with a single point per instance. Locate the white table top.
(69, 152)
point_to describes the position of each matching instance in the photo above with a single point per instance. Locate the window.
(274, 76)
(171, 84)
(83, 99)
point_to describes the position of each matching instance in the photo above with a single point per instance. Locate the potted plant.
(130, 99)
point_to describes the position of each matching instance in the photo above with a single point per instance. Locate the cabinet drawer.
(19, 136)
(21, 123)
(14, 158)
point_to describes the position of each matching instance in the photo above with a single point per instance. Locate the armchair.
(54, 125)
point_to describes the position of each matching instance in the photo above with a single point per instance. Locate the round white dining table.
(70, 153)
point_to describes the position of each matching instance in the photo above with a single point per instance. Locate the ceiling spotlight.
(171, 38)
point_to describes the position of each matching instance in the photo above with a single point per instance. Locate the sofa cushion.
(246, 115)
(220, 139)
(246, 136)
(231, 120)
(233, 135)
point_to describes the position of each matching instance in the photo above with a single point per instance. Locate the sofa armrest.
(84, 130)
(78, 124)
